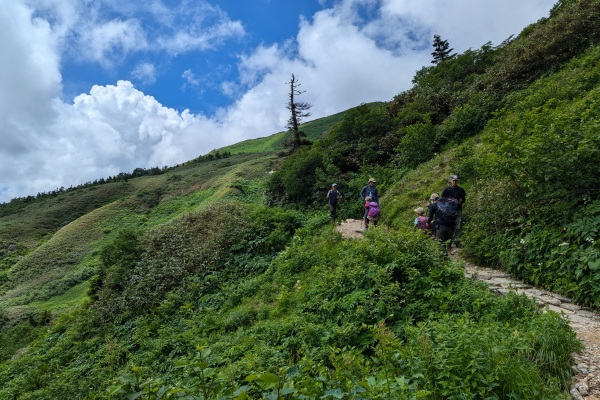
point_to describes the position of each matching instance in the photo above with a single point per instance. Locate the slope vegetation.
(218, 279)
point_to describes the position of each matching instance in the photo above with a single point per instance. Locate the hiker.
(333, 198)
(430, 211)
(432, 199)
(445, 211)
(372, 211)
(369, 190)
(458, 193)
(421, 221)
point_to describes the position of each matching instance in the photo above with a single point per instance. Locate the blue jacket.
(370, 191)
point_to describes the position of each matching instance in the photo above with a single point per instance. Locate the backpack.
(332, 196)
(374, 210)
(422, 223)
(447, 210)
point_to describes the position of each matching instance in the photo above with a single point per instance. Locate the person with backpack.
(422, 222)
(458, 193)
(430, 211)
(369, 190)
(372, 211)
(333, 197)
(445, 211)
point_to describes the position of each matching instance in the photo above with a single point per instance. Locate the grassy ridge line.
(313, 129)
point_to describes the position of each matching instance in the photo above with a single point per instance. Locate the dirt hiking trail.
(585, 322)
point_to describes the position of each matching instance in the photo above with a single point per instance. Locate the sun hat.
(434, 196)
(372, 180)
(419, 210)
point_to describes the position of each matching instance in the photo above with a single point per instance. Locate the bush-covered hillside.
(219, 279)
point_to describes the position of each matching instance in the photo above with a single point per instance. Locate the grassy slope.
(64, 258)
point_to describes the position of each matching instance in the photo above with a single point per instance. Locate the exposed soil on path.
(585, 322)
(351, 228)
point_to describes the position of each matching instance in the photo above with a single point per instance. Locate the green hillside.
(224, 278)
(314, 129)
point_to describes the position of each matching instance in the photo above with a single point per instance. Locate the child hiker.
(373, 212)
(421, 221)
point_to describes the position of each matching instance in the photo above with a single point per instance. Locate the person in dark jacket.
(456, 192)
(369, 190)
(444, 224)
(333, 198)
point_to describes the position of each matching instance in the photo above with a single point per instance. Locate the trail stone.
(576, 395)
(550, 300)
(582, 389)
(558, 310)
(588, 314)
(583, 368)
(561, 298)
(570, 306)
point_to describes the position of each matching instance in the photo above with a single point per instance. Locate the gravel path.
(585, 322)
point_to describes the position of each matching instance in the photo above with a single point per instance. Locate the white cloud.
(183, 42)
(200, 27)
(145, 73)
(469, 23)
(190, 78)
(29, 78)
(103, 43)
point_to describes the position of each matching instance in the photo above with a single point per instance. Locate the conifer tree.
(442, 51)
(298, 111)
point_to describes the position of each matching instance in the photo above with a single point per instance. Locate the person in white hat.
(369, 190)
(421, 221)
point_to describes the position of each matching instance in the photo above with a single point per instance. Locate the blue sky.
(189, 76)
(89, 89)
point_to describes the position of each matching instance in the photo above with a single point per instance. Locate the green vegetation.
(219, 279)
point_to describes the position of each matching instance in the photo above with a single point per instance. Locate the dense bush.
(295, 178)
(545, 46)
(227, 235)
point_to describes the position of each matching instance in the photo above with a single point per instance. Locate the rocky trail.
(585, 323)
